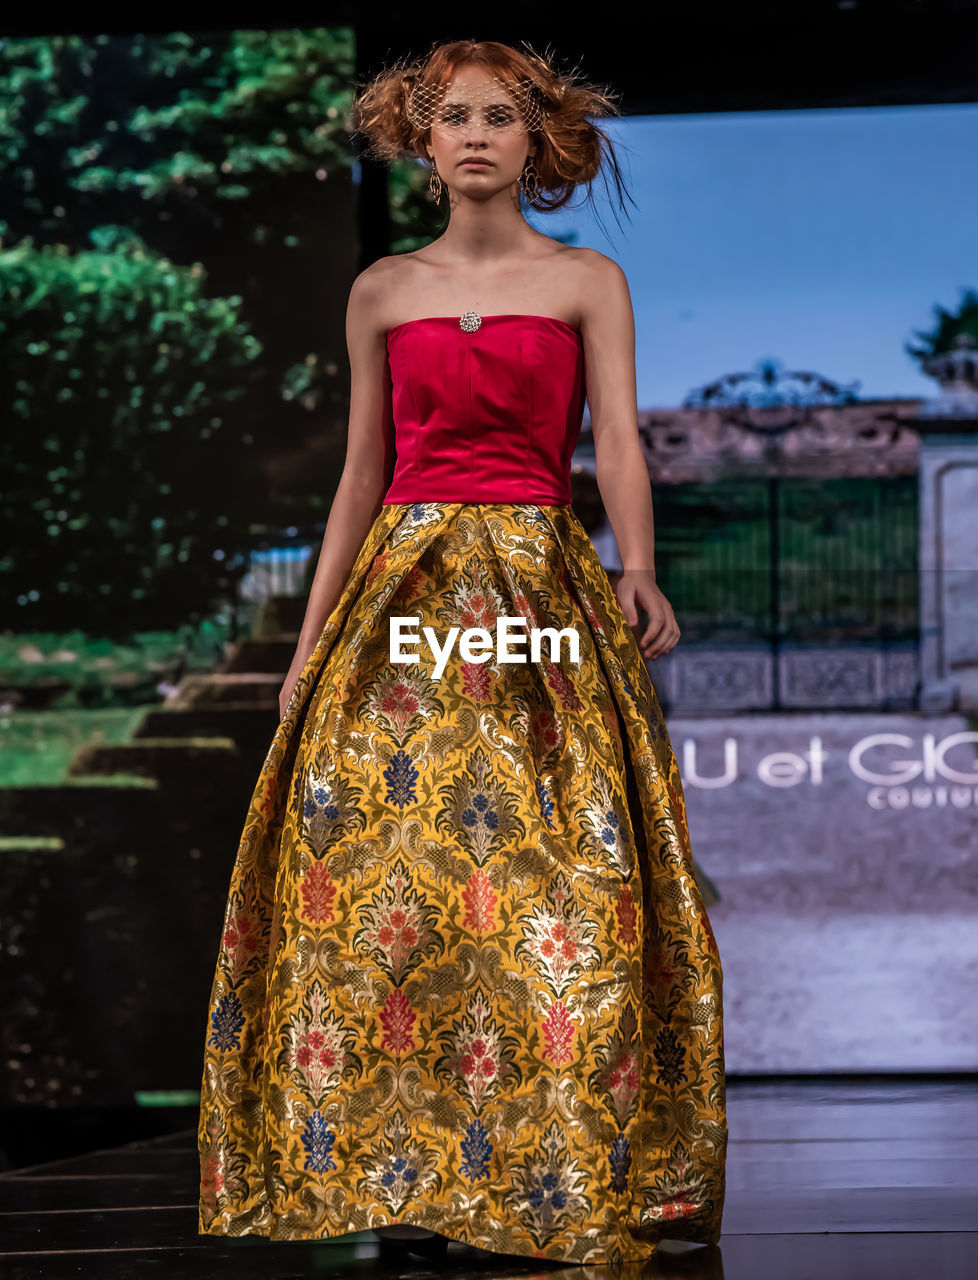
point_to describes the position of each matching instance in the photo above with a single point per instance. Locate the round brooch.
(470, 321)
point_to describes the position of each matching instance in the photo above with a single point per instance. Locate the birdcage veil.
(502, 105)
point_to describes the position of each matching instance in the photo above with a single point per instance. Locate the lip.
(477, 164)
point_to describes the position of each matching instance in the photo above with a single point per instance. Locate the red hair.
(571, 150)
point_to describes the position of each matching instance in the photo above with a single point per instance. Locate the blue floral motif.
(418, 511)
(321, 798)
(545, 803)
(398, 1168)
(548, 1189)
(476, 1150)
(398, 1171)
(620, 1159)
(401, 776)
(227, 1020)
(479, 808)
(318, 1142)
(609, 832)
(551, 1185)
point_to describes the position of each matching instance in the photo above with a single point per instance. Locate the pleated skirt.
(467, 979)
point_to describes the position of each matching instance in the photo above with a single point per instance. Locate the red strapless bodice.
(488, 416)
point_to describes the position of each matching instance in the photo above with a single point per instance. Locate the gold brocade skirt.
(467, 979)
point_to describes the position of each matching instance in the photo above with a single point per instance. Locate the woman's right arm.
(367, 470)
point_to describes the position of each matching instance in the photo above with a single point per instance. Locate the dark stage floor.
(836, 1178)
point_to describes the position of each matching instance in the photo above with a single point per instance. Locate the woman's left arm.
(608, 332)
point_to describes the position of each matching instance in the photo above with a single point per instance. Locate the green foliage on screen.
(164, 200)
(121, 382)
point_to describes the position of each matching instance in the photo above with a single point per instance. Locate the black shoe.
(431, 1247)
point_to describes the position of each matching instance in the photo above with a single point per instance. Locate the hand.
(638, 587)
(303, 652)
(285, 695)
(288, 685)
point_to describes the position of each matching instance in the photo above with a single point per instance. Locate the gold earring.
(434, 183)
(528, 179)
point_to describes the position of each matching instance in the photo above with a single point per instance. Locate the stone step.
(110, 913)
(91, 810)
(161, 758)
(221, 689)
(251, 725)
(31, 844)
(270, 653)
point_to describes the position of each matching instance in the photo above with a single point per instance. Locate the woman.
(467, 985)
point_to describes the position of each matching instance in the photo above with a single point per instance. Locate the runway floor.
(842, 1178)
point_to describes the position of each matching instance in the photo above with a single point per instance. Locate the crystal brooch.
(470, 321)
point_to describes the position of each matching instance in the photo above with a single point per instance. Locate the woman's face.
(478, 120)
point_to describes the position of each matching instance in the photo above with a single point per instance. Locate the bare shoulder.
(602, 286)
(372, 291)
(378, 289)
(597, 270)
(375, 279)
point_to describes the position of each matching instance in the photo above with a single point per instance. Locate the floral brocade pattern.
(467, 979)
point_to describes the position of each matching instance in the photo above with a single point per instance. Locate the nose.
(474, 123)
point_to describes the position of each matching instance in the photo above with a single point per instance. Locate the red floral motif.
(680, 1206)
(477, 612)
(543, 729)
(558, 944)
(478, 1055)
(477, 681)
(211, 1178)
(411, 585)
(558, 1033)
(625, 910)
(480, 901)
(314, 1048)
(596, 619)
(623, 1080)
(523, 609)
(399, 701)
(240, 933)
(377, 566)
(559, 937)
(397, 929)
(398, 1018)
(478, 1064)
(678, 809)
(265, 793)
(611, 720)
(317, 891)
(560, 684)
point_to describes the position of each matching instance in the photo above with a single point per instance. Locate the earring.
(528, 179)
(434, 183)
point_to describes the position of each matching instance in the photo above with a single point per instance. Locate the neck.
(489, 229)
